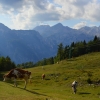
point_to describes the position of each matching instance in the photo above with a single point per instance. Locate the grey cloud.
(81, 2)
(18, 4)
(12, 3)
(41, 4)
(47, 16)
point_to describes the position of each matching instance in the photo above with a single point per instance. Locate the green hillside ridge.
(57, 84)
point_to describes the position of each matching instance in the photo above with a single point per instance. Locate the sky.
(27, 14)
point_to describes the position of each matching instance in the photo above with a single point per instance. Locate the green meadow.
(57, 84)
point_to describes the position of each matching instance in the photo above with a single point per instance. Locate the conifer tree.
(60, 53)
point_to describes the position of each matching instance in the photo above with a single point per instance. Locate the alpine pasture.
(57, 83)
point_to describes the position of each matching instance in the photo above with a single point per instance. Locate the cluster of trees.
(6, 64)
(45, 61)
(78, 48)
(73, 50)
(63, 52)
(25, 65)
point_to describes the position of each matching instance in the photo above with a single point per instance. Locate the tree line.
(63, 52)
(73, 50)
(6, 64)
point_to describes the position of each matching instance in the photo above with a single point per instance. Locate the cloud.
(31, 15)
(25, 14)
(80, 25)
(92, 11)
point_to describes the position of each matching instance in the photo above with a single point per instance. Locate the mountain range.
(63, 34)
(41, 42)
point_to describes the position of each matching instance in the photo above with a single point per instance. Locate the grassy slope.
(57, 85)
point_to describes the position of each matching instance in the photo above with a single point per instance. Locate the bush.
(89, 81)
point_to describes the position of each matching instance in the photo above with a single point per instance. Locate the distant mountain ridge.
(63, 34)
(24, 46)
(41, 42)
(91, 30)
(41, 28)
(4, 28)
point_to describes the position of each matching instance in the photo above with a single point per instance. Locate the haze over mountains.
(41, 42)
(63, 34)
